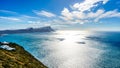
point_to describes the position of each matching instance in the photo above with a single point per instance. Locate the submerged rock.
(60, 39)
(81, 42)
(18, 58)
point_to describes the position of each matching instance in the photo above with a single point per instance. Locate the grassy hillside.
(18, 58)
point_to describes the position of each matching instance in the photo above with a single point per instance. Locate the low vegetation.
(18, 58)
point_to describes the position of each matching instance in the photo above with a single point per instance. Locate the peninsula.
(28, 30)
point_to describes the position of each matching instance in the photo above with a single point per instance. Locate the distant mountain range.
(28, 30)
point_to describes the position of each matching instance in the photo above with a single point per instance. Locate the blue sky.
(60, 14)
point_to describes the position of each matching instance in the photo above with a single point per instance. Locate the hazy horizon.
(66, 29)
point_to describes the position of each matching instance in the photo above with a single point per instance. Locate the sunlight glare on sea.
(71, 49)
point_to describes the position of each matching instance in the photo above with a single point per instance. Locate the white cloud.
(9, 12)
(108, 14)
(95, 14)
(77, 12)
(44, 13)
(29, 17)
(10, 18)
(67, 15)
(47, 24)
(87, 4)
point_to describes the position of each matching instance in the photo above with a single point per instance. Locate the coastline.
(17, 57)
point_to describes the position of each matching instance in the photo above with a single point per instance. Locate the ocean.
(71, 49)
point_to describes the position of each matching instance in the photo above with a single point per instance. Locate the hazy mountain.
(28, 30)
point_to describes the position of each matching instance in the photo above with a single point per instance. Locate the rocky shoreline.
(14, 56)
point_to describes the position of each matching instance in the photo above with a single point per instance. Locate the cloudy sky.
(60, 14)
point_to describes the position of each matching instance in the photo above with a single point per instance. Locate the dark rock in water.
(81, 42)
(18, 58)
(95, 38)
(61, 39)
(29, 30)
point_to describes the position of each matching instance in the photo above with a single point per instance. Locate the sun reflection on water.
(67, 53)
(71, 49)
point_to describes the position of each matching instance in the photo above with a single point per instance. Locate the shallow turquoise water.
(71, 49)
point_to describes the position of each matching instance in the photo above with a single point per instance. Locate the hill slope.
(17, 58)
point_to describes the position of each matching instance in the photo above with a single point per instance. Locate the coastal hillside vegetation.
(18, 58)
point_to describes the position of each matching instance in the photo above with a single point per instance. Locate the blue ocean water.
(71, 49)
